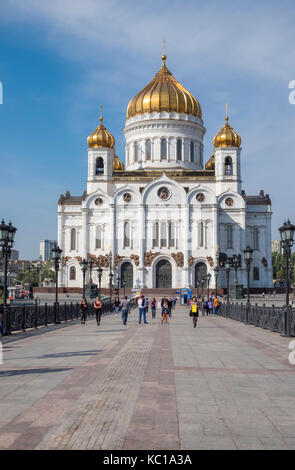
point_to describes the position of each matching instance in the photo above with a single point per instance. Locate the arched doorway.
(127, 275)
(164, 274)
(200, 274)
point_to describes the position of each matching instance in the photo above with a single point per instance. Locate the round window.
(127, 197)
(98, 201)
(163, 193)
(200, 197)
(229, 201)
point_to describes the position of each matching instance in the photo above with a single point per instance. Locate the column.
(112, 234)
(141, 243)
(60, 230)
(214, 235)
(84, 247)
(186, 245)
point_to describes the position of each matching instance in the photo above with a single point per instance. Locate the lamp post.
(110, 278)
(227, 266)
(118, 285)
(99, 274)
(198, 287)
(202, 284)
(7, 233)
(56, 254)
(90, 270)
(248, 258)
(287, 238)
(216, 272)
(208, 283)
(84, 269)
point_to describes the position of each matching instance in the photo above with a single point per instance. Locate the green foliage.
(279, 265)
(31, 276)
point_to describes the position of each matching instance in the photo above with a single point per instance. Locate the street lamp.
(198, 287)
(202, 284)
(84, 269)
(118, 286)
(248, 252)
(110, 278)
(287, 239)
(7, 234)
(216, 272)
(227, 266)
(99, 274)
(208, 283)
(56, 255)
(90, 270)
(248, 259)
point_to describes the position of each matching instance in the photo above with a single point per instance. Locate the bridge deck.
(223, 385)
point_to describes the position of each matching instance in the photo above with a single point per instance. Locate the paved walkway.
(223, 385)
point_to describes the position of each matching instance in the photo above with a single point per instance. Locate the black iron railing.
(278, 319)
(33, 316)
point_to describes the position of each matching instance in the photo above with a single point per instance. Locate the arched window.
(201, 237)
(163, 234)
(163, 149)
(229, 237)
(148, 150)
(171, 234)
(155, 234)
(192, 153)
(255, 241)
(135, 151)
(99, 166)
(179, 149)
(126, 234)
(228, 166)
(255, 273)
(98, 238)
(72, 273)
(73, 239)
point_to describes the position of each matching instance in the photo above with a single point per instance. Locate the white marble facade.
(165, 213)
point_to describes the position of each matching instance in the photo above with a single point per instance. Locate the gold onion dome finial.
(227, 137)
(164, 93)
(118, 165)
(101, 137)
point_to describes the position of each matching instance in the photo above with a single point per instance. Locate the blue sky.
(60, 60)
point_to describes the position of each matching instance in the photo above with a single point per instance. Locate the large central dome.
(164, 93)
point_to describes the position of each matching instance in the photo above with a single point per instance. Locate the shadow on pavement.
(90, 352)
(9, 373)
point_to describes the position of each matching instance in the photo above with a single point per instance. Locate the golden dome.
(118, 165)
(227, 137)
(164, 93)
(210, 165)
(101, 137)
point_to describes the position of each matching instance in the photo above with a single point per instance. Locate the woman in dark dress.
(84, 310)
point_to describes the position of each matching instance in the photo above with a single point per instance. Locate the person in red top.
(97, 307)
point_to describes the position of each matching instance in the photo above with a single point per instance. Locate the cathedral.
(162, 220)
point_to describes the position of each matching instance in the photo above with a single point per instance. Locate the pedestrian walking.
(146, 304)
(125, 309)
(141, 309)
(84, 310)
(169, 303)
(117, 305)
(97, 304)
(216, 305)
(165, 312)
(153, 307)
(210, 306)
(194, 311)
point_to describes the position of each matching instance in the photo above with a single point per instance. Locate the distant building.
(276, 246)
(14, 256)
(45, 249)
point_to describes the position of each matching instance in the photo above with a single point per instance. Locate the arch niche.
(200, 273)
(163, 274)
(127, 275)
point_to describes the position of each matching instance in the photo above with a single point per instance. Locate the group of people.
(123, 305)
(166, 305)
(207, 306)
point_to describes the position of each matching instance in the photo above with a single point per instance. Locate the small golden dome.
(227, 137)
(118, 165)
(210, 165)
(101, 137)
(164, 93)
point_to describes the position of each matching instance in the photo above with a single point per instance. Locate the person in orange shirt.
(216, 305)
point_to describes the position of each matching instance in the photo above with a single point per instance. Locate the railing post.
(35, 316)
(65, 312)
(23, 317)
(71, 310)
(45, 315)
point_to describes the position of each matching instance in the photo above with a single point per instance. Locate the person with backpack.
(141, 309)
(194, 311)
(165, 312)
(97, 307)
(153, 307)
